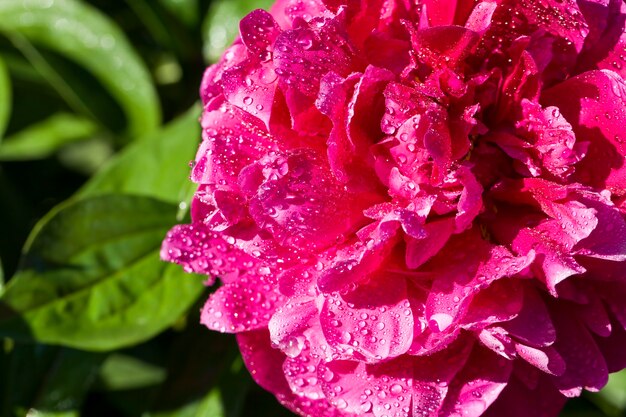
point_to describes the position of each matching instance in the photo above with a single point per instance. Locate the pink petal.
(533, 325)
(418, 251)
(476, 265)
(376, 325)
(502, 301)
(379, 389)
(517, 400)
(202, 251)
(470, 202)
(354, 263)
(595, 105)
(433, 375)
(228, 131)
(259, 31)
(478, 384)
(301, 203)
(264, 362)
(245, 304)
(292, 322)
(546, 359)
(304, 54)
(444, 45)
(576, 347)
(301, 373)
(612, 348)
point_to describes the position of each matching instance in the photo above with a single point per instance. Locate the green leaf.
(88, 37)
(157, 166)
(92, 278)
(221, 24)
(185, 10)
(125, 372)
(44, 138)
(5, 97)
(45, 380)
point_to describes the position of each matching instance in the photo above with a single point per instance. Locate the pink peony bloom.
(417, 208)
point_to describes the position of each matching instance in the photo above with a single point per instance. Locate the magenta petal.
(444, 45)
(242, 305)
(612, 348)
(533, 325)
(303, 55)
(417, 208)
(258, 31)
(301, 203)
(301, 373)
(289, 324)
(575, 345)
(378, 325)
(547, 359)
(355, 263)
(542, 401)
(264, 364)
(477, 264)
(243, 135)
(358, 388)
(470, 202)
(500, 302)
(433, 375)
(478, 384)
(610, 223)
(419, 251)
(261, 359)
(595, 315)
(595, 104)
(252, 89)
(202, 251)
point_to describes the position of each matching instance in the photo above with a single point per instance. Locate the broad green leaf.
(125, 372)
(45, 380)
(44, 138)
(5, 97)
(92, 279)
(157, 166)
(221, 24)
(86, 36)
(185, 10)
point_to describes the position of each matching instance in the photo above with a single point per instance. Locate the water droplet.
(366, 407)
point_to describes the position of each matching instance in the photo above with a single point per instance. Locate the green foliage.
(86, 36)
(92, 279)
(5, 97)
(156, 166)
(42, 139)
(92, 323)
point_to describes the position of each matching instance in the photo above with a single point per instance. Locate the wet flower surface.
(417, 208)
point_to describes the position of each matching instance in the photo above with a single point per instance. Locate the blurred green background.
(98, 123)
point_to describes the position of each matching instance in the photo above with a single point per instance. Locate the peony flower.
(417, 208)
